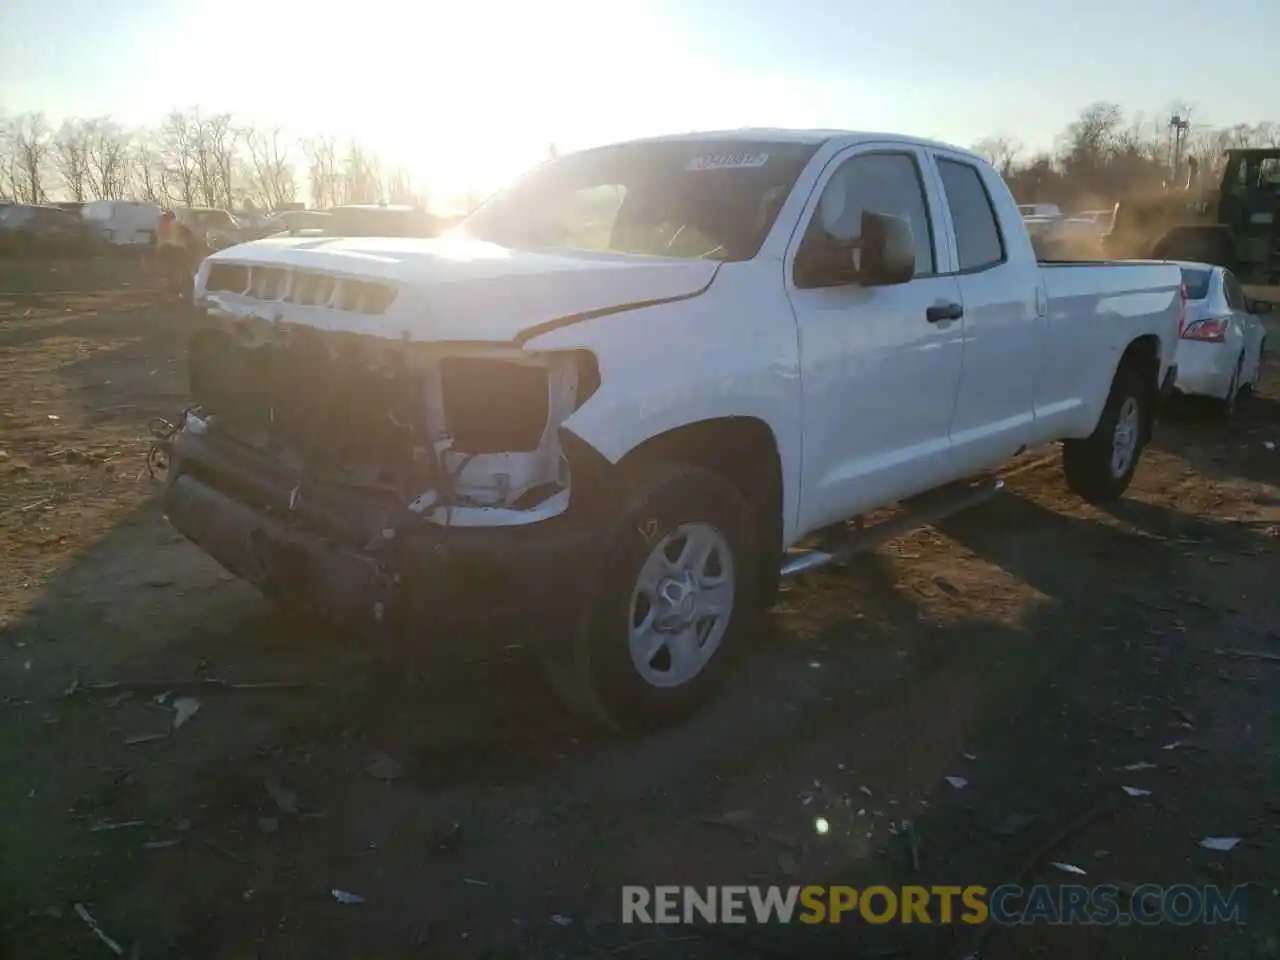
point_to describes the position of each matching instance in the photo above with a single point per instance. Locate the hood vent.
(301, 287)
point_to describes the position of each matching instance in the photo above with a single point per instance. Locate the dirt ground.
(1034, 647)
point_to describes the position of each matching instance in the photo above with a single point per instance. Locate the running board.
(921, 511)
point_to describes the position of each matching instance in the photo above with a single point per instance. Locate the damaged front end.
(377, 480)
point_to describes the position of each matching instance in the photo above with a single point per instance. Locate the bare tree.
(107, 158)
(71, 158)
(1002, 152)
(361, 175)
(146, 169)
(322, 171)
(215, 143)
(272, 180)
(31, 140)
(178, 177)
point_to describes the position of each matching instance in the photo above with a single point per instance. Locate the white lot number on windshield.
(727, 161)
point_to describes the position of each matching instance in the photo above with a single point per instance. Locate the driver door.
(880, 366)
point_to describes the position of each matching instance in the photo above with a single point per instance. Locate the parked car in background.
(380, 220)
(215, 227)
(28, 229)
(1222, 342)
(1100, 218)
(624, 395)
(1039, 210)
(294, 222)
(124, 223)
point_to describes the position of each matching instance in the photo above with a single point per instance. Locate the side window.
(978, 240)
(888, 183)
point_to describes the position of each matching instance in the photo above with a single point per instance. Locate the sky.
(468, 94)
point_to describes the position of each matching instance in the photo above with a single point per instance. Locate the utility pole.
(1178, 126)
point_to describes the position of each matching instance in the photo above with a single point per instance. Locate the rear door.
(1005, 321)
(880, 375)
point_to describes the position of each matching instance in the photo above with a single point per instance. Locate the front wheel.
(1100, 467)
(676, 592)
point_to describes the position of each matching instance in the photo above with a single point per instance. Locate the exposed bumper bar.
(426, 577)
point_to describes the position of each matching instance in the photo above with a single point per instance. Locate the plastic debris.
(969, 756)
(1269, 444)
(161, 844)
(104, 825)
(98, 932)
(1136, 791)
(144, 738)
(184, 708)
(1140, 765)
(958, 782)
(382, 767)
(561, 921)
(343, 897)
(284, 798)
(1067, 867)
(1222, 844)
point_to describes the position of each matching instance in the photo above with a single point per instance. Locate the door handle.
(944, 311)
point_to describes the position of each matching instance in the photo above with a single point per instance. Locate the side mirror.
(883, 255)
(1260, 308)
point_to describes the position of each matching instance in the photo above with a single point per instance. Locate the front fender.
(723, 354)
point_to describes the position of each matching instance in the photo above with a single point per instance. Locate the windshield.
(1196, 282)
(217, 219)
(684, 198)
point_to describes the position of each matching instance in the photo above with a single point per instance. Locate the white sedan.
(1223, 338)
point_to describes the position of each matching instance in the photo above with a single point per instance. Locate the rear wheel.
(675, 596)
(1100, 467)
(1225, 407)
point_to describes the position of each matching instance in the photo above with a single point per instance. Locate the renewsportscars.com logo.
(1068, 904)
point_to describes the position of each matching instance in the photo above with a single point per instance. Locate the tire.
(676, 510)
(1224, 408)
(1093, 468)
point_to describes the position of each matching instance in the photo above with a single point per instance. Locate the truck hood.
(437, 289)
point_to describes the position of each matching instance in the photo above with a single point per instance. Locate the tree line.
(1105, 155)
(194, 158)
(191, 158)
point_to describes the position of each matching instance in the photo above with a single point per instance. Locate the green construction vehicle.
(1231, 224)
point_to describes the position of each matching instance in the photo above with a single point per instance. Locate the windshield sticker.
(727, 161)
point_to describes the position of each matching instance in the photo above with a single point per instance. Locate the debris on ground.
(162, 844)
(1140, 765)
(268, 825)
(97, 930)
(104, 825)
(284, 798)
(1067, 867)
(1221, 844)
(342, 896)
(184, 708)
(383, 767)
(1136, 791)
(144, 738)
(1250, 654)
(958, 782)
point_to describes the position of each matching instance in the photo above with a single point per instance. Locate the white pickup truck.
(619, 398)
